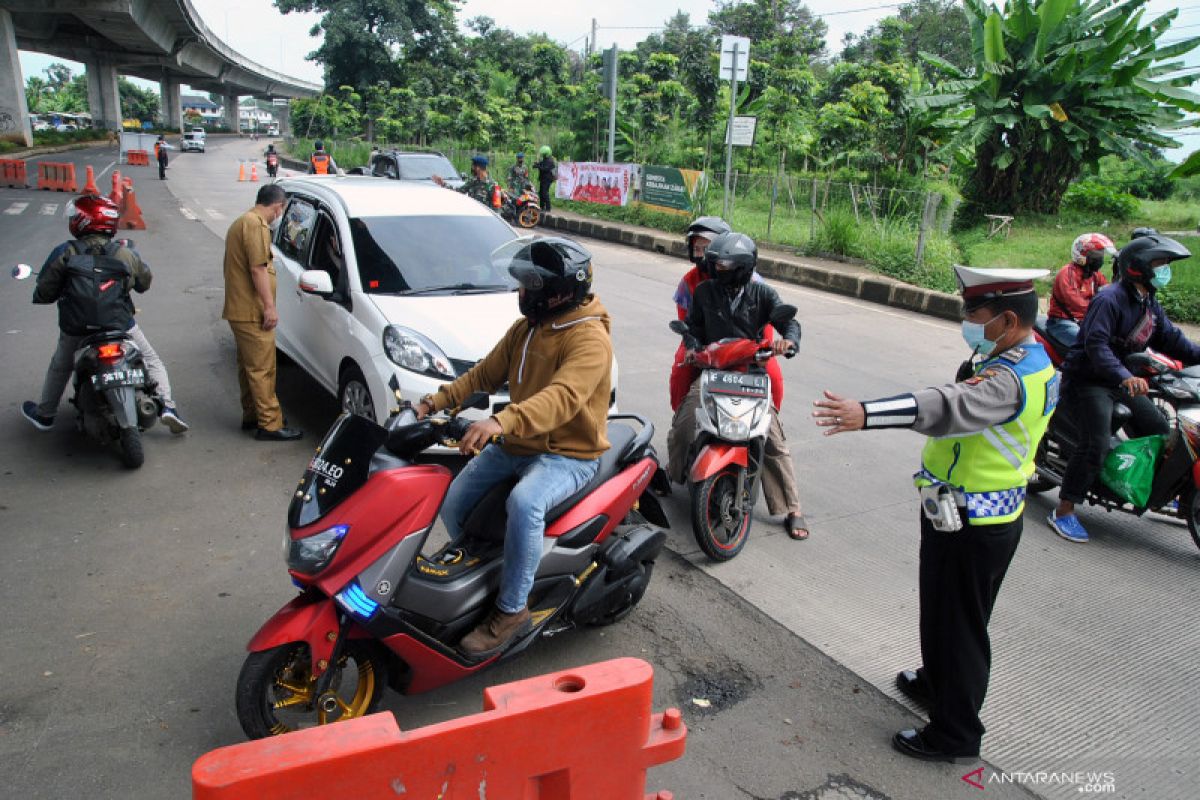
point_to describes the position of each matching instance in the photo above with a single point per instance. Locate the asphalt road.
(131, 595)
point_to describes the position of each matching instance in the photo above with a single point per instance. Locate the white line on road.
(16, 208)
(187, 212)
(212, 212)
(111, 164)
(48, 209)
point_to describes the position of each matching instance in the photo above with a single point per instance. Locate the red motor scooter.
(373, 611)
(726, 457)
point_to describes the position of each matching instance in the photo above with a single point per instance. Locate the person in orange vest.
(160, 155)
(320, 162)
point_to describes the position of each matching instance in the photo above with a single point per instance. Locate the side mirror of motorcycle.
(679, 326)
(478, 400)
(783, 314)
(22, 271)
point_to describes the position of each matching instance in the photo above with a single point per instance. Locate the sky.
(281, 41)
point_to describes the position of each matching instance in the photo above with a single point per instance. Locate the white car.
(389, 285)
(192, 141)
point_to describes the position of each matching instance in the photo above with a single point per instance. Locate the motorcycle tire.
(529, 217)
(1189, 508)
(132, 453)
(279, 680)
(718, 530)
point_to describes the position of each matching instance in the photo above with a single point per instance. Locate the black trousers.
(1091, 406)
(960, 576)
(544, 194)
(162, 170)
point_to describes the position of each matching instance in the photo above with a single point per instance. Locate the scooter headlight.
(313, 553)
(736, 418)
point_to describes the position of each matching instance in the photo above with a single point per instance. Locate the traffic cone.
(254, 172)
(117, 196)
(90, 186)
(242, 171)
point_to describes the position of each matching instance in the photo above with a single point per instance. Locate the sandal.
(796, 527)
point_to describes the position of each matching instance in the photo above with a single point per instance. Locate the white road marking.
(187, 212)
(16, 208)
(212, 212)
(111, 164)
(48, 209)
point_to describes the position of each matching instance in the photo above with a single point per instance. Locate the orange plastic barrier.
(580, 734)
(57, 176)
(137, 158)
(131, 212)
(12, 173)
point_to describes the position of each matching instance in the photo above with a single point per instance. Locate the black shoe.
(249, 424)
(913, 686)
(910, 743)
(281, 435)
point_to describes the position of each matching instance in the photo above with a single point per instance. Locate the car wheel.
(354, 396)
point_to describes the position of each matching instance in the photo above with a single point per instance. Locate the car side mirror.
(315, 281)
(22, 271)
(478, 400)
(783, 314)
(680, 327)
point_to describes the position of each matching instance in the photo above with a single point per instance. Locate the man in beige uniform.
(250, 310)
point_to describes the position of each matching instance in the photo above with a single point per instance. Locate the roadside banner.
(592, 182)
(670, 188)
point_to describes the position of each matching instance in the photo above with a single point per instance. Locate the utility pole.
(610, 75)
(729, 131)
(592, 42)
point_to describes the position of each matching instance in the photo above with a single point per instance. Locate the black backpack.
(95, 295)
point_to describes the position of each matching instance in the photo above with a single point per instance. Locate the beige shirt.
(247, 244)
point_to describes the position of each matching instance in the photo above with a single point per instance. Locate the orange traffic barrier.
(137, 158)
(12, 173)
(579, 734)
(57, 176)
(254, 172)
(89, 186)
(131, 212)
(242, 171)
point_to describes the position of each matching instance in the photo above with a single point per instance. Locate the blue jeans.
(545, 481)
(1065, 330)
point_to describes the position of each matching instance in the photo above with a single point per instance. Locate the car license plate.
(739, 384)
(120, 377)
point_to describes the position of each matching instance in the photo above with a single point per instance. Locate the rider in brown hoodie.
(557, 361)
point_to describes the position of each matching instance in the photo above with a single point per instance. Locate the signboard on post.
(743, 130)
(742, 44)
(670, 188)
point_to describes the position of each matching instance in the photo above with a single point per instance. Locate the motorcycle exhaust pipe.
(147, 411)
(627, 553)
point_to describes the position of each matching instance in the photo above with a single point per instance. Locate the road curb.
(48, 151)
(781, 266)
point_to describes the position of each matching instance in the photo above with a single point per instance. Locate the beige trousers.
(256, 374)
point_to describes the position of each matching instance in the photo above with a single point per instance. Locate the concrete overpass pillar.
(14, 113)
(231, 112)
(104, 99)
(172, 114)
(284, 115)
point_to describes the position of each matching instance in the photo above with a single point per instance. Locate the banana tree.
(1059, 84)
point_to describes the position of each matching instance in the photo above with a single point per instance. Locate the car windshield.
(428, 254)
(421, 167)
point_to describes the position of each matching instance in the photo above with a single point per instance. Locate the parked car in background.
(193, 142)
(386, 286)
(412, 166)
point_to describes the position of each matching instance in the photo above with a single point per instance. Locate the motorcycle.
(272, 164)
(726, 457)
(522, 209)
(1177, 475)
(375, 611)
(113, 399)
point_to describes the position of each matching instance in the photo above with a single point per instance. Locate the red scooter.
(374, 611)
(726, 457)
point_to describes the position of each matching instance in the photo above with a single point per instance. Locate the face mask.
(1162, 276)
(274, 226)
(973, 334)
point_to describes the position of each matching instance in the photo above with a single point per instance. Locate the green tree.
(1059, 84)
(938, 27)
(136, 102)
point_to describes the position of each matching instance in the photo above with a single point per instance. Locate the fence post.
(733, 197)
(812, 223)
(932, 199)
(854, 202)
(771, 210)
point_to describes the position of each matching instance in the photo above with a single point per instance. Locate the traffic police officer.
(984, 432)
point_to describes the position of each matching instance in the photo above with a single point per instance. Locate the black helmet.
(708, 227)
(318, 145)
(1136, 257)
(730, 260)
(1138, 233)
(556, 274)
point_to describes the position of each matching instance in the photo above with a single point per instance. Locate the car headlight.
(408, 349)
(313, 553)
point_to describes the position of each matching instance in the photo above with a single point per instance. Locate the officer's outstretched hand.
(839, 414)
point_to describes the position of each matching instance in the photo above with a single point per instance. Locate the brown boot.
(496, 630)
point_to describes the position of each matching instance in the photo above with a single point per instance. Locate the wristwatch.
(428, 400)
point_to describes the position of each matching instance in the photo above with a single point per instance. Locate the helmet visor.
(515, 257)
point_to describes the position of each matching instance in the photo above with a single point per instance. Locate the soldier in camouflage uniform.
(518, 175)
(479, 186)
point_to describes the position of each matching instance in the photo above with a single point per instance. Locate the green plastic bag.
(1129, 469)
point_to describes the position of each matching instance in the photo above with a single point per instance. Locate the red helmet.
(93, 214)
(1089, 243)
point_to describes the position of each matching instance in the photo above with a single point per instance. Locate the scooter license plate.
(120, 377)
(738, 384)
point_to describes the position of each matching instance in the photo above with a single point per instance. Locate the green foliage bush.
(837, 233)
(1100, 198)
(55, 138)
